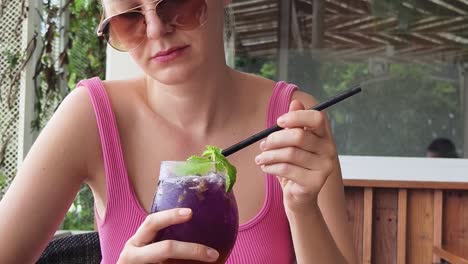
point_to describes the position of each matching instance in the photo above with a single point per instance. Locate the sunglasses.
(125, 31)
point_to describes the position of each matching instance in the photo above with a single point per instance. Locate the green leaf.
(195, 158)
(197, 165)
(194, 166)
(231, 173)
(3, 179)
(222, 165)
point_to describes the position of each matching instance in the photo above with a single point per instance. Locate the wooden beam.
(283, 38)
(438, 211)
(460, 4)
(296, 31)
(355, 209)
(318, 24)
(384, 225)
(420, 226)
(449, 256)
(401, 233)
(463, 73)
(344, 7)
(367, 228)
(433, 8)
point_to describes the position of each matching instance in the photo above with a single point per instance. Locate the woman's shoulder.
(78, 105)
(125, 88)
(265, 88)
(256, 85)
(121, 93)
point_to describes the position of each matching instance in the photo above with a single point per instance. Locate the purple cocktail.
(215, 219)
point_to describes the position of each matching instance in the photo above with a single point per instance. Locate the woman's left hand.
(302, 156)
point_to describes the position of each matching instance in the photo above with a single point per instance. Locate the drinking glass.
(215, 218)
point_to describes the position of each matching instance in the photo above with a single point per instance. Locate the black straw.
(247, 142)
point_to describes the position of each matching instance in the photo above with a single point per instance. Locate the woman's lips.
(169, 55)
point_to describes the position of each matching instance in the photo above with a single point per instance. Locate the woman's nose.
(155, 27)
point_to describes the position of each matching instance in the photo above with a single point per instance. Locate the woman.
(113, 135)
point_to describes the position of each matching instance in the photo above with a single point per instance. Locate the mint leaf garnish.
(194, 167)
(231, 173)
(222, 165)
(199, 165)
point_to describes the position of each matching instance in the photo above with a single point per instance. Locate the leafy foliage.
(399, 113)
(3, 179)
(265, 67)
(87, 53)
(401, 110)
(81, 214)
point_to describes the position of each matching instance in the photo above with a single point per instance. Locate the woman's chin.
(170, 79)
(174, 75)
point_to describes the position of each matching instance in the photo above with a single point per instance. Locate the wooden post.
(296, 32)
(438, 211)
(401, 232)
(26, 135)
(283, 38)
(64, 39)
(464, 88)
(318, 27)
(367, 228)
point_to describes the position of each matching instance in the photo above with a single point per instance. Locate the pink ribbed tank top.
(265, 239)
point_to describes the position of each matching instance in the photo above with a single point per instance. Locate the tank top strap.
(279, 101)
(117, 183)
(279, 105)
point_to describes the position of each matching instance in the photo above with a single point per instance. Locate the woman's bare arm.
(332, 205)
(304, 158)
(47, 181)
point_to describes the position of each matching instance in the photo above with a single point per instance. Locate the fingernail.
(212, 253)
(262, 145)
(258, 159)
(185, 211)
(281, 120)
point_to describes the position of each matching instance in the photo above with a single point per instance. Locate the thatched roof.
(410, 29)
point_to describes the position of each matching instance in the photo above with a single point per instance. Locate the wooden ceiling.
(435, 30)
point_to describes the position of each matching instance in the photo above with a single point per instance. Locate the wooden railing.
(408, 222)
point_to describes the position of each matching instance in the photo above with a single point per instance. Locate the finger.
(171, 249)
(298, 137)
(292, 155)
(313, 120)
(295, 156)
(301, 176)
(157, 221)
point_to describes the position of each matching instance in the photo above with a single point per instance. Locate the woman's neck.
(199, 105)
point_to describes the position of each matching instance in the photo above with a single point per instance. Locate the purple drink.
(215, 219)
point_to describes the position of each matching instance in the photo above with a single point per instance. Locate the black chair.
(80, 248)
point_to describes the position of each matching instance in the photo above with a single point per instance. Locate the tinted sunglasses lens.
(126, 31)
(183, 14)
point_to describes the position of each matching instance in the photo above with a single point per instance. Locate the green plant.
(86, 53)
(82, 56)
(399, 113)
(3, 179)
(81, 214)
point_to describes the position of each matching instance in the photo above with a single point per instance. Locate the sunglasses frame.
(105, 22)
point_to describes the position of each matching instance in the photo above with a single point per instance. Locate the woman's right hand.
(141, 249)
